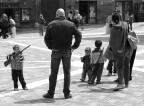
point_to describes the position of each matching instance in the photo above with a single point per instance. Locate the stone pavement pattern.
(37, 70)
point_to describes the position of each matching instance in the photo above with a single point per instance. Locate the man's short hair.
(98, 43)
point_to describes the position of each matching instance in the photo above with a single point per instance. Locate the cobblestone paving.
(37, 70)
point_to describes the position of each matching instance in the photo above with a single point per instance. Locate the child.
(97, 62)
(86, 65)
(17, 68)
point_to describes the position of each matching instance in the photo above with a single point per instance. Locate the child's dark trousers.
(97, 72)
(18, 74)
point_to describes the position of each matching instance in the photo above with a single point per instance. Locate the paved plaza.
(37, 71)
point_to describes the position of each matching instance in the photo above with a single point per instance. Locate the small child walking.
(86, 66)
(17, 68)
(97, 62)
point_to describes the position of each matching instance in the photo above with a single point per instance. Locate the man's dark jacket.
(60, 33)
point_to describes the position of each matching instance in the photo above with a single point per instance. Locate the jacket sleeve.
(47, 38)
(77, 36)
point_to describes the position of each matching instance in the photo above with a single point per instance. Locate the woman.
(122, 52)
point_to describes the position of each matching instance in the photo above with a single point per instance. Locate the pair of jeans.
(86, 71)
(112, 63)
(56, 57)
(123, 69)
(18, 74)
(97, 72)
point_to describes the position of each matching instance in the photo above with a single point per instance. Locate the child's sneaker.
(25, 88)
(16, 89)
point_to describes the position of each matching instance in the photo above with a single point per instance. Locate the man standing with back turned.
(58, 38)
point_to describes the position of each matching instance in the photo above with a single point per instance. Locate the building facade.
(24, 12)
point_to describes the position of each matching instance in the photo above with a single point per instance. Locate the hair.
(88, 49)
(16, 46)
(98, 43)
(116, 17)
(71, 12)
(130, 13)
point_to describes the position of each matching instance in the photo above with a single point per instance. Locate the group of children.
(93, 63)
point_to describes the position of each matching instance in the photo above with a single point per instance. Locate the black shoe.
(99, 82)
(47, 95)
(68, 96)
(25, 88)
(82, 80)
(116, 80)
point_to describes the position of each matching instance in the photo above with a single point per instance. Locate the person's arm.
(77, 36)
(47, 38)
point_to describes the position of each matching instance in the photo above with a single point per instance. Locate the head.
(76, 12)
(41, 16)
(98, 43)
(16, 48)
(87, 51)
(4, 16)
(116, 17)
(60, 13)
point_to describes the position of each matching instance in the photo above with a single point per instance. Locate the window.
(25, 15)
(5, 1)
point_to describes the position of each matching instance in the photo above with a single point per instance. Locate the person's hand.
(11, 58)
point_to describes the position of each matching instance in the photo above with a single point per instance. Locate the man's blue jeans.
(56, 58)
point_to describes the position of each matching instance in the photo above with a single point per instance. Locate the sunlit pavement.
(37, 71)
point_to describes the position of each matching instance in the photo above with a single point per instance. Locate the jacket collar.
(60, 18)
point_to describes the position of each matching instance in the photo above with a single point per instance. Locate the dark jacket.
(60, 33)
(86, 60)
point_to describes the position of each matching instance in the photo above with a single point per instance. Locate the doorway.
(89, 10)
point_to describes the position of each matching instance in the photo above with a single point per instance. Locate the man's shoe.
(25, 88)
(68, 96)
(16, 89)
(47, 95)
(119, 87)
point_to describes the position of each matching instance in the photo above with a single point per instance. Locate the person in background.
(131, 18)
(58, 38)
(42, 22)
(17, 68)
(70, 16)
(4, 26)
(12, 27)
(112, 68)
(86, 66)
(77, 18)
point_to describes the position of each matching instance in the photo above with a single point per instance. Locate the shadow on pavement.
(36, 101)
